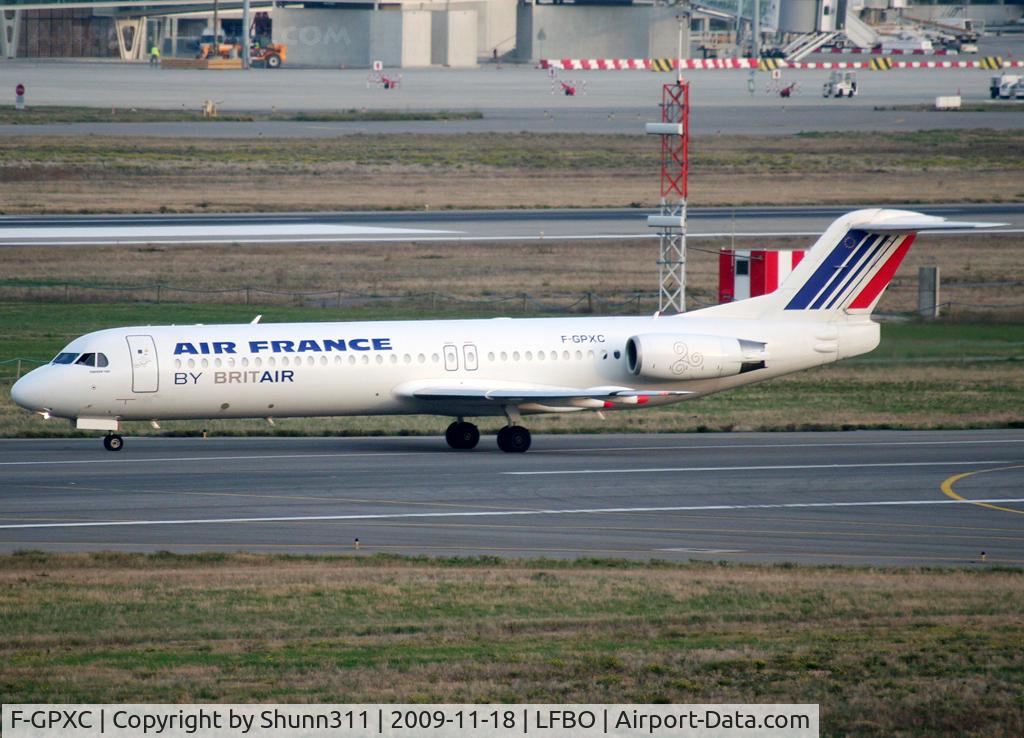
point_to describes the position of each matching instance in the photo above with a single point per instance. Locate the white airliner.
(496, 367)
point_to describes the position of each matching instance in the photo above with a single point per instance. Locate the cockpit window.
(64, 358)
(87, 360)
(101, 360)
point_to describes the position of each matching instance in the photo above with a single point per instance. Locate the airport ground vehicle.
(1005, 86)
(267, 55)
(840, 84)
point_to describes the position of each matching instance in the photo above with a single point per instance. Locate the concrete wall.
(324, 38)
(798, 16)
(438, 37)
(454, 38)
(386, 35)
(589, 32)
(496, 25)
(416, 38)
(583, 31)
(462, 38)
(664, 34)
(335, 38)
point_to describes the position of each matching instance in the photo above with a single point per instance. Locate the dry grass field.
(98, 174)
(979, 270)
(884, 652)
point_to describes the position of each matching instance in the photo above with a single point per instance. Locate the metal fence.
(585, 302)
(12, 369)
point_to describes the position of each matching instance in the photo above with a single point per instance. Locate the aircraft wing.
(498, 394)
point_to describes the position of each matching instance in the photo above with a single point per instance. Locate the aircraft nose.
(28, 392)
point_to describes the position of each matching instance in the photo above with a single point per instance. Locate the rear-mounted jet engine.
(680, 356)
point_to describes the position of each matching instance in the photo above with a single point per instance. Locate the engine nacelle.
(680, 356)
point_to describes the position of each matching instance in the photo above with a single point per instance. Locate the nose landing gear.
(113, 442)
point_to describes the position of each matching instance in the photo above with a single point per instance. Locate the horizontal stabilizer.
(910, 222)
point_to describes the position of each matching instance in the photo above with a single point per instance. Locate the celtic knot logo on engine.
(687, 359)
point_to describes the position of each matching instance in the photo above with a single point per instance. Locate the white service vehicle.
(1005, 86)
(905, 42)
(840, 84)
(498, 367)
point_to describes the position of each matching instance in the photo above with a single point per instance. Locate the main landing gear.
(462, 435)
(513, 439)
(113, 442)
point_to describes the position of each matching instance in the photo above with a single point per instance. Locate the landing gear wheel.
(113, 443)
(514, 439)
(461, 435)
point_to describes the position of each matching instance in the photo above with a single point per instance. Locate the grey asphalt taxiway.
(451, 225)
(511, 99)
(901, 498)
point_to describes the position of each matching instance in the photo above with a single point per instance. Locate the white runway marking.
(235, 231)
(508, 513)
(780, 467)
(202, 233)
(246, 457)
(384, 235)
(595, 449)
(854, 444)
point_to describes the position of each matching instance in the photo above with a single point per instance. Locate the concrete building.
(632, 31)
(457, 33)
(320, 37)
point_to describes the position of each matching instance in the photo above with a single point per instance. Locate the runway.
(896, 498)
(450, 225)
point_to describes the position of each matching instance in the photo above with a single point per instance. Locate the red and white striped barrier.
(1007, 64)
(878, 50)
(822, 65)
(595, 64)
(667, 65)
(646, 64)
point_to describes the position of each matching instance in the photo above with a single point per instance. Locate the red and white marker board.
(747, 273)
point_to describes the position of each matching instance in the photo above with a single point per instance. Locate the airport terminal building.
(465, 33)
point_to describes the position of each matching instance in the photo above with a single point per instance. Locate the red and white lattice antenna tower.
(674, 130)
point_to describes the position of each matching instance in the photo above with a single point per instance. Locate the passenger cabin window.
(64, 358)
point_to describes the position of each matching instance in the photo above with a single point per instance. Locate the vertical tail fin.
(847, 269)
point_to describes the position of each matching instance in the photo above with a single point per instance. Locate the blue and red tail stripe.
(848, 246)
(884, 275)
(857, 254)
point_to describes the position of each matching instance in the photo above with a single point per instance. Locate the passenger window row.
(271, 361)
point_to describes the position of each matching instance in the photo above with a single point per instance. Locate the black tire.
(462, 436)
(514, 439)
(273, 61)
(113, 443)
